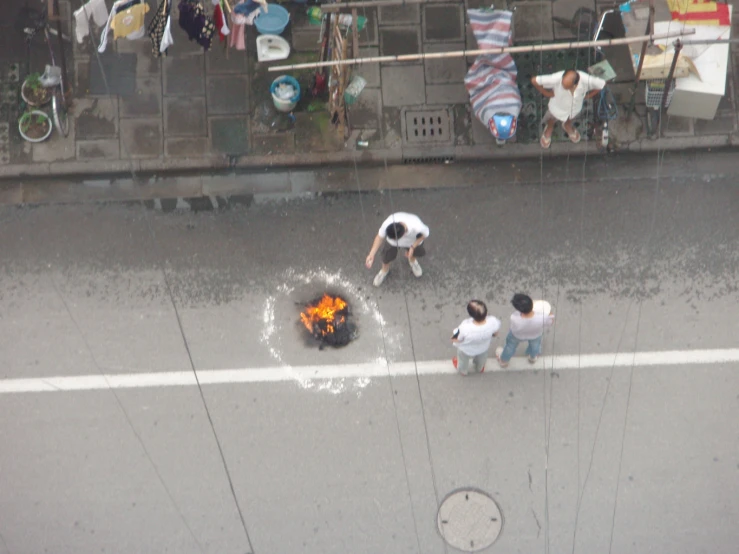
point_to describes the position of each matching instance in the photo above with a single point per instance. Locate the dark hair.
(395, 230)
(522, 303)
(575, 78)
(477, 310)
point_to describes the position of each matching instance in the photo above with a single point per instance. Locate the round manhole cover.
(469, 520)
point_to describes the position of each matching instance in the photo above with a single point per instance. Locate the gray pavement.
(355, 464)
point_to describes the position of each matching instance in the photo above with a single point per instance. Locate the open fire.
(327, 319)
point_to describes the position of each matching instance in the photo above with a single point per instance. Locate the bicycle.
(33, 22)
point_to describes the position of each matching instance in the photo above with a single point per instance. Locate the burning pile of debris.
(327, 319)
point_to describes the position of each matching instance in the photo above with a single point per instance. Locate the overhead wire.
(201, 393)
(129, 158)
(417, 375)
(644, 249)
(646, 258)
(580, 314)
(88, 347)
(129, 421)
(579, 339)
(121, 407)
(546, 405)
(415, 361)
(391, 383)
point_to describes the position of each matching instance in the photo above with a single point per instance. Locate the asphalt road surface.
(623, 438)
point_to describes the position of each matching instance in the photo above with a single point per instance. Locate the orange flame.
(324, 315)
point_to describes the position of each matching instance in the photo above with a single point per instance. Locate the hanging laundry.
(238, 23)
(129, 21)
(244, 13)
(167, 40)
(219, 18)
(250, 9)
(95, 9)
(126, 19)
(700, 12)
(198, 26)
(245, 8)
(252, 16)
(159, 29)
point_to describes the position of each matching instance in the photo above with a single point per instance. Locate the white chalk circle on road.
(469, 520)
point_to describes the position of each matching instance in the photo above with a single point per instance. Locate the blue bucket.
(274, 21)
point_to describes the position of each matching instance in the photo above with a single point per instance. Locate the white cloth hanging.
(104, 35)
(95, 9)
(166, 37)
(224, 30)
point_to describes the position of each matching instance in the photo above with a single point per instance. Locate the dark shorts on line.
(390, 252)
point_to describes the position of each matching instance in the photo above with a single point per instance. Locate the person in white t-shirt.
(526, 325)
(472, 338)
(400, 230)
(566, 90)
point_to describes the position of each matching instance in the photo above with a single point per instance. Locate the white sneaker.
(532, 359)
(415, 268)
(380, 277)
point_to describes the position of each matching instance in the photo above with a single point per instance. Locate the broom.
(318, 86)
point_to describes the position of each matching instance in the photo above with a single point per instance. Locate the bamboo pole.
(369, 4)
(355, 33)
(642, 55)
(671, 74)
(498, 50)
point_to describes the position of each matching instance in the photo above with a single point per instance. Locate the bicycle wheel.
(61, 115)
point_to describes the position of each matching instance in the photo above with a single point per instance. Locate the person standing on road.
(400, 230)
(526, 325)
(567, 90)
(472, 338)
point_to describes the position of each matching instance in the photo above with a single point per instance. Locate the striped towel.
(491, 81)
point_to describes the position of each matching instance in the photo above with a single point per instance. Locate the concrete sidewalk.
(220, 190)
(195, 110)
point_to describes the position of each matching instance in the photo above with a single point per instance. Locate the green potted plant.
(34, 126)
(33, 93)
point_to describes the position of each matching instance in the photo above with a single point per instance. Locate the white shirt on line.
(565, 104)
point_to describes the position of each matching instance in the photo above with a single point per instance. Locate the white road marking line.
(366, 370)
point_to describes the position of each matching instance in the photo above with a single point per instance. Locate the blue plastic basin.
(274, 21)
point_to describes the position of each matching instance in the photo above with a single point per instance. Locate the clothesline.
(127, 20)
(501, 50)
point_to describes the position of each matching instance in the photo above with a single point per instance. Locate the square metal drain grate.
(427, 127)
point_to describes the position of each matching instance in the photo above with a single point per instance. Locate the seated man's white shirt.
(565, 104)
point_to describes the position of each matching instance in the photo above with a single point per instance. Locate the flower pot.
(35, 126)
(36, 98)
